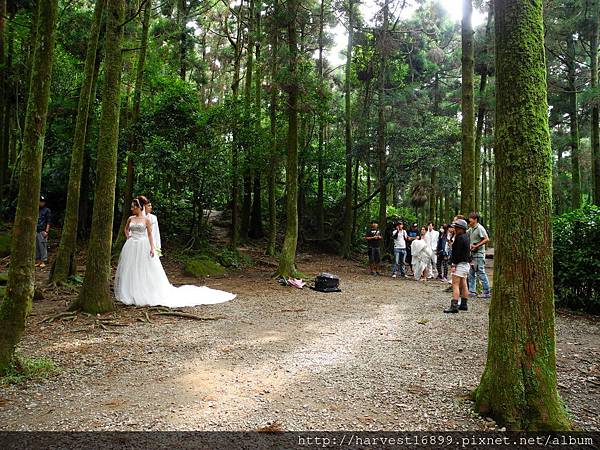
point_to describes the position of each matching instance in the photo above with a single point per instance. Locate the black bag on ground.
(326, 282)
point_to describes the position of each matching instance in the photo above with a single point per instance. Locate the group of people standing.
(454, 253)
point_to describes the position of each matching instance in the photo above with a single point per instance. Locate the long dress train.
(141, 280)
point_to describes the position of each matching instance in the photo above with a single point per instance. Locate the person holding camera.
(399, 238)
(373, 238)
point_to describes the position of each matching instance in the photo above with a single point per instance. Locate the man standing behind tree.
(41, 238)
(478, 237)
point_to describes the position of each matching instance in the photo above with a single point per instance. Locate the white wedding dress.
(141, 280)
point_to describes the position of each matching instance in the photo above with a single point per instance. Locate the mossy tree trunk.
(381, 119)
(21, 274)
(518, 386)
(467, 172)
(133, 141)
(595, 131)
(347, 243)
(272, 174)
(64, 265)
(573, 124)
(287, 260)
(4, 110)
(95, 294)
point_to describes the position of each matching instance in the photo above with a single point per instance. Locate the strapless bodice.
(137, 231)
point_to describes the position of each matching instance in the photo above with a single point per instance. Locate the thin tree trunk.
(574, 126)
(95, 294)
(272, 173)
(63, 265)
(432, 194)
(381, 120)
(21, 275)
(287, 264)
(481, 112)
(347, 243)
(595, 131)
(518, 386)
(256, 226)
(235, 144)
(133, 141)
(467, 183)
(4, 103)
(320, 161)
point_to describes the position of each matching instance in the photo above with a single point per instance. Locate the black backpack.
(326, 282)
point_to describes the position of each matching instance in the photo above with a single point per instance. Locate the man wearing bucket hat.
(41, 238)
(460, 259)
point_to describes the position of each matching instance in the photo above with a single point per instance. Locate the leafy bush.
(233, 258)
(577, 259)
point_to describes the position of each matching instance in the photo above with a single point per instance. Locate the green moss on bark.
(17, 303)
(95, 296)
(467, 171)
(518, 386)
(63, 264)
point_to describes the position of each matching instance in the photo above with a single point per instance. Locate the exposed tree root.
(186, 315)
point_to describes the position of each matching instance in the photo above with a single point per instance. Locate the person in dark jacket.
(460, 259)
(41, 238)
(442, 255)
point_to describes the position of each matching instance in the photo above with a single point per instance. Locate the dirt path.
(380, 355)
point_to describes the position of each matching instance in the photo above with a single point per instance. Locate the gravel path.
(379, 355)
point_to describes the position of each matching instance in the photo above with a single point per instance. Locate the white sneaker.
(394, 276)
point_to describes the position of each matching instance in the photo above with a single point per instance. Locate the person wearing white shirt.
(399, 237)
(431, 237)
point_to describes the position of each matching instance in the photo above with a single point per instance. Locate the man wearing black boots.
(460, 259)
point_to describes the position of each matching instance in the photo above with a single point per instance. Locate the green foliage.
(407, 215)
(577, 259)
(203, 266)
(233, 258)
(26, 369)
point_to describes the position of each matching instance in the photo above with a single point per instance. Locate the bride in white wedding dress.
(141, 280)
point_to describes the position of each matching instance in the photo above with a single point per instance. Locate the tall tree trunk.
(133, 141)
(272, 173)
(467, 172)
(247, 198)
(320, 160)
(21, 275)
(83, 223)
(347, 243)
(4, 103)
(518, 386)
(595, 131)
(95, 293)
(63, 264)
(182, 13)
(574, 125)
(256, 226)
(381, 119)
(481, 112)
(432, 194)
(287, 261)
(235, 141)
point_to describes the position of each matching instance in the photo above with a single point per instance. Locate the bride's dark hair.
(139, 203)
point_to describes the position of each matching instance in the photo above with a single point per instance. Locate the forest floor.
(380, 355)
